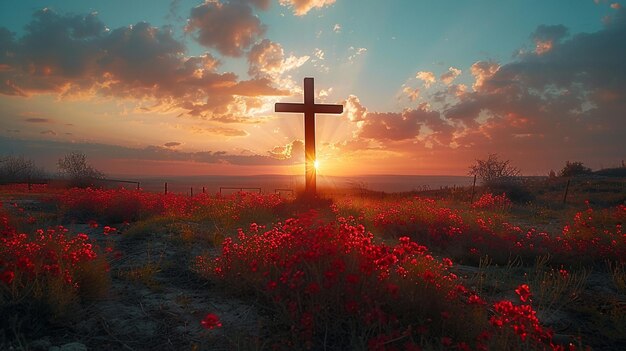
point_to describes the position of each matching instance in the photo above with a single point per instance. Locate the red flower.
(7, 277)
(524, 292)
(211, 321)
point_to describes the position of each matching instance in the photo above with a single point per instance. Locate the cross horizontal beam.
(300, 108)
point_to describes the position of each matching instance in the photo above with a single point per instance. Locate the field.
(128, 269)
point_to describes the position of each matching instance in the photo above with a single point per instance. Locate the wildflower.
(524, 292)
(211, 321)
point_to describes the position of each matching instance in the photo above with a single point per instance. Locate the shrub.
(574, 169)
(74, 166)
(493, 169)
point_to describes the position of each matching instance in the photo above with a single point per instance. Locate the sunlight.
(316, 164)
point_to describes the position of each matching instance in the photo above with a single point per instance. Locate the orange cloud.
(267, 59)
(428, 78)
(450, 76)
(72, 55)
(229, 27)
(482, 70)
(302, 7)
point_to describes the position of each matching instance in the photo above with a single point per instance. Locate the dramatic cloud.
(267, 59)
(566, 102)
(302, 7)
(172, 144)
(427, 77)
(229, 27)
(72, 55)
(450, 76)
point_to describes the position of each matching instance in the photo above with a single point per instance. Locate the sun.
(316, 164)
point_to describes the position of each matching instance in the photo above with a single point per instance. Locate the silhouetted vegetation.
(17, 169)
(75, 168)
(574, 169)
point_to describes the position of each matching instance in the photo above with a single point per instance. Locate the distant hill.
(612, 172)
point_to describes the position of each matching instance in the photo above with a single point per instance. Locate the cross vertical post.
(309, 108)
(309, 138)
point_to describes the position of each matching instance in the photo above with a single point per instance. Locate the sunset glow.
(189, 88)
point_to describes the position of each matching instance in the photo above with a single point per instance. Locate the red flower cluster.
(493, 202)
(120, 205)
(319, 272)
(592, 235)
(211, 321)
(50, 253)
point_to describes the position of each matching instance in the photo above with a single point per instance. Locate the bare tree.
(74, 166)
(17, 169)
(493, 169)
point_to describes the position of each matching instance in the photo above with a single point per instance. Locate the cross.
(309, 108)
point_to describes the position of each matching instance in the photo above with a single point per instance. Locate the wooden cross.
(309, 108)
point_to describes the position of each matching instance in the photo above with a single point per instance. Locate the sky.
(188, 87)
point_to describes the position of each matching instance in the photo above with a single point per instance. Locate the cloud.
(481, 71)
(223, 131)
(353, 110)
(172, 144)
(44, 151)
(267, 59)
(616, 6)
(38, 120)
(71, 55)
(293, 151)
(337, 28)
(229, 27)
(428, 78)
(567, 102)
(450, 76)
(302, 7)
(564, 103)
(355, 52)
(48, 132)
(545, 37)
(319, 53)
(411, 93)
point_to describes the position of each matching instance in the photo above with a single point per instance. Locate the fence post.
(165, 188)
(191, 191)
(137, 185)
(566, 189)
(203, 190)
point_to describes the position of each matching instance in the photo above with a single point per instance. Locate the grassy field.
(432, 270)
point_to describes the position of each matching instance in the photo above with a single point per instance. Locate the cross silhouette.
(309, 108)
